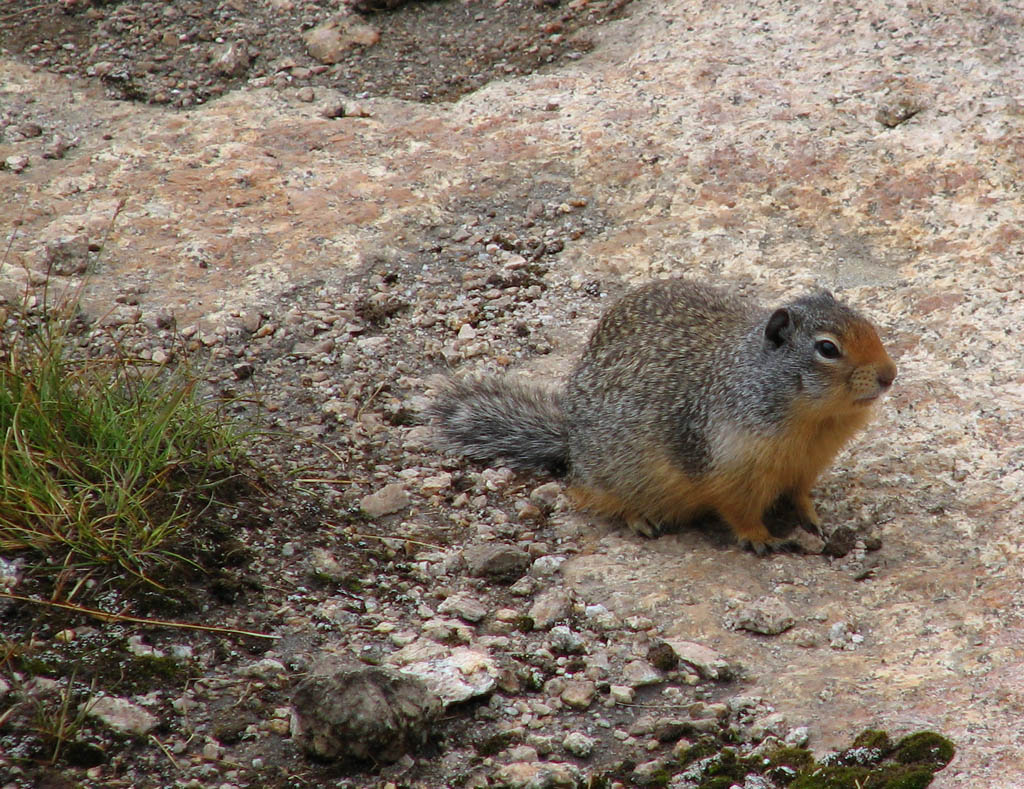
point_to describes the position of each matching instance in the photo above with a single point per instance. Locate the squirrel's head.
(834, 350)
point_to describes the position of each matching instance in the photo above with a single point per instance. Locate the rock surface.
(768, 146)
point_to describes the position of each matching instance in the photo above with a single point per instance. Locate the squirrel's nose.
(886, 376)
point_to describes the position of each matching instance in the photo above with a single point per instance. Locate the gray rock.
(564, 641)
(524, 587)
(579, 744)
(708, 663)
(774, 724)
(326, 566)
(546, 495)
(122, 716)
(578, 693)
(267, 668)
(546, 565)
(363, 713)
(622, 694)
(768, 615)
(550, 607)
(329, 42)
(499, 561)
(462, 675)
(232, 59)
(67, 255)
(16, 163)
(10, 573)
(638, 673)
(648, 773)
(386, 501)
(535, 775)
(841, 635)
(463, 606)
(601, 618)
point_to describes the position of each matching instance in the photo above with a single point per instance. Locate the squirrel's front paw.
(774, 545)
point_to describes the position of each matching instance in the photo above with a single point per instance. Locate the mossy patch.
(872, 762)
(926, 749)
(874, 739)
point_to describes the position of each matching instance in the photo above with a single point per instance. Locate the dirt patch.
(181, 54)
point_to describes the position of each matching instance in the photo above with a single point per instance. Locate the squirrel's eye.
(827, 349)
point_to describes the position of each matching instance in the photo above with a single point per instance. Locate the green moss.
(659, 778)
(874, 739)
(697, 751)
(718, 782)
(833, 778)
(796, 758)
(912, 778)
(925, 748)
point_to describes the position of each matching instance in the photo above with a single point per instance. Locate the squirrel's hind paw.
(643, 526)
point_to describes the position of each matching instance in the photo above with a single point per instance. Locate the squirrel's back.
(688, 399)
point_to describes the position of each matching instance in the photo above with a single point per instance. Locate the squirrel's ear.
(778, 327)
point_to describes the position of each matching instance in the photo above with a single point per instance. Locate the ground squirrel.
(687, 400)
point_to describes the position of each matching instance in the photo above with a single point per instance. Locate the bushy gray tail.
(501, 418)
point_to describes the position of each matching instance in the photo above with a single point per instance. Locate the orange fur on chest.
(749, 473)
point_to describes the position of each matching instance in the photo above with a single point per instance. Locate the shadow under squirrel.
(687, 400)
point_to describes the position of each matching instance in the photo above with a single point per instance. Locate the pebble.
(329, 41)
(579, 693)
(546, 495)
(708, 663)
(622, 694)
(767, 615)
(10, 573)
(386, 501)
(601, 618)
(524, 587)
(638, 673)
(535, 775)
(546, 565)
(579, 744)
(436, 483)
(122, 715)
(231, 60)
(462, 675)
(463, 606)
(842, 636)
(267, 668)
(550, 607)
(16, 163)
(564, 641)
(668, 729)
(212, 750)
(500, 561)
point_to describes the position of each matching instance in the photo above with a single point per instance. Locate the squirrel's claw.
(770, 546)
(810, 527)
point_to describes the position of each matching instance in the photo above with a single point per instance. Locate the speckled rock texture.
(872, 147)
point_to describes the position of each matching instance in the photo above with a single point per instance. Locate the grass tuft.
(103, 462)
